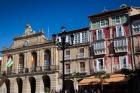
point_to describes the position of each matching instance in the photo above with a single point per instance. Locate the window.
(119, 31)
(103, 23)
(82, 67)
(26, 43)
(77, 38)
(120, 43)
(99, 34)
(99, 64)
(84, 37)
(67, 55)
(68, 52)
(68, 39)
(93, 25)
(119, 19)
(136, 27)
(99, 24)
(81, 50)
(99, 48)
(123, 62)
(99, 45)
(81, 53)
(67, 68)
(123, 18)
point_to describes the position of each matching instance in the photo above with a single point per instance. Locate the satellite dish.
(123, 6)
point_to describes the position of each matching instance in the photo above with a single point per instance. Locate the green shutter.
(97, 24)
(106, 22)
(94, 25)
(123, 19)
(113, 21)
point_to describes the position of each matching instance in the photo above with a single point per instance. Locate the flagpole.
(48, 32)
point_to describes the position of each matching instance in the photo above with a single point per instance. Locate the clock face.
(26, 43)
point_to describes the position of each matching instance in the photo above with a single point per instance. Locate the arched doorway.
(69, 86)
(47, 59)
(7, 82)
(21, 63)
(34, 61)
(20, 84)
(46, 81)
(32, 84)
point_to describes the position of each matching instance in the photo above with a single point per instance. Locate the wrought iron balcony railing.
(38, 69)
(80, 55)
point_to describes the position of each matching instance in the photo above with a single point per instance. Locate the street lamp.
(63, 45)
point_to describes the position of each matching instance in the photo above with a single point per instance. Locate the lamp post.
(63, 45)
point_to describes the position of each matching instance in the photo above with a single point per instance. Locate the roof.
(76, 30)
(135, 17)
(110, 12)
(28, 36)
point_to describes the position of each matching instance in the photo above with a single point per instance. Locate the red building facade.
(111, 41)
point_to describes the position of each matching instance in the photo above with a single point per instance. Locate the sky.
(49, 15)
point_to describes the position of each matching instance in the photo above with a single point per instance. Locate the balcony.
(82, 70)
(33, 71)
(100, 69)
(80, 55)
(67, 71)
(67, 57)
(120, 45)
(99, 48)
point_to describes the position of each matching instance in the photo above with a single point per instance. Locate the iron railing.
(38, 69)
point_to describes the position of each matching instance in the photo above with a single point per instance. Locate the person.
(85, 91)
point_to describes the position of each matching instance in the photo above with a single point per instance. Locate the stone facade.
(35, 66)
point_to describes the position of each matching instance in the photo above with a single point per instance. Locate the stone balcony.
(48, 69)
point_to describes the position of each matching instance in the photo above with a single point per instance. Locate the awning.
(113, 78)
(89, 80)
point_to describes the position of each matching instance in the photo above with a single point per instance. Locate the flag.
(10, 62)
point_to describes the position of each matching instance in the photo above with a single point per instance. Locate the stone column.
(16, 62)
(53, 56)
(54, 81)
(26, 85)
(3, 88)
(13, 86)
(38, 57)
(42, 57)
(39, 85)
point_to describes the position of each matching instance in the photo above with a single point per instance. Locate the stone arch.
(3, 88)
(34, 61)
(47, 57)
(21, 63)
(20, 84)
(32, 81)
(47, 83)
(69, 86)
(7, 83)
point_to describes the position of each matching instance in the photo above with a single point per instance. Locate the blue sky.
(52, 14)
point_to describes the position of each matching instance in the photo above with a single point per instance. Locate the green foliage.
(47, 90)
(126, 71)
(99, 74)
